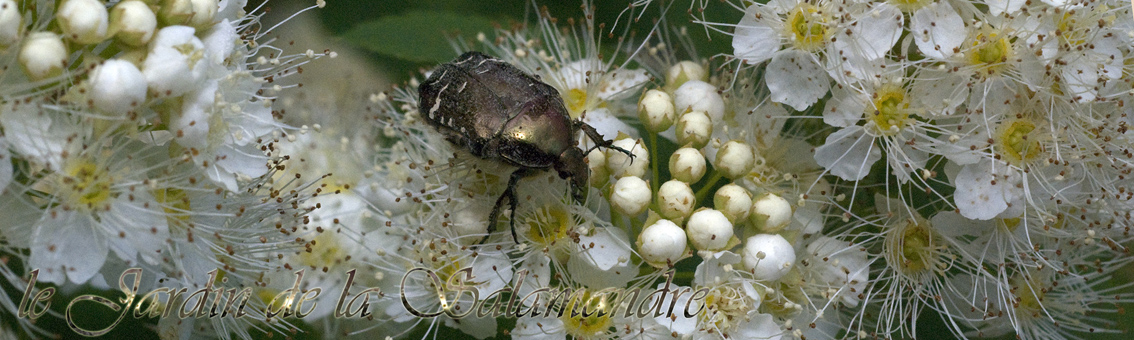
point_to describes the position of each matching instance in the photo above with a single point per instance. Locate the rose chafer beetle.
(497, 112)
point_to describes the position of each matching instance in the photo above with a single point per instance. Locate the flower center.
(1016, 143)
(85, 185)
(891, 110)
(909, 6)
(990, 52)
(549, 224)
(324, 251)
(597, 322)
(725, 307)
(913, 249)
(576, 100)
(806, 26)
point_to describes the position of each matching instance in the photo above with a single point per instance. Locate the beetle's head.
(571, 165)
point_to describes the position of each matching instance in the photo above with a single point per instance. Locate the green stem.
(653, 137)
(700, 195)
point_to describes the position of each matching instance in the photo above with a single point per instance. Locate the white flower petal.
(976, 197)
(796, 79)
(998, 7)
(137, 228)
(877, 32)
(5, 165)
(759, 326)
(607, 125)
(66, 242)
(845, 107)
(848, 153)
(621, 83)
(936, 30)
(756, 39)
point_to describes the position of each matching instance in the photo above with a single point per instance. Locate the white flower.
(735, 159)
(936, 29)
(687, 165)
(656, 111)
(43, 55)
(11, 23)
(662, 244)
(694, 129)
(630, 196)
(709, 230)
(175, 63)
(132, 22)
(770, 213)
(985, 189)
(83, 21)
(675, 200)
(117, 86)
(733, 201)
(768, 256)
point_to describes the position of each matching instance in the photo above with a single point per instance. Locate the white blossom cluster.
(142, 134)
(851, 168)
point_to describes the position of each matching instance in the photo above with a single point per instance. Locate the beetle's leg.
(594, 136)
(510, 194)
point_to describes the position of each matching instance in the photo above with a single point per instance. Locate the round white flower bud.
(676, 200)
(621, 165)
(770, 213)
(596, 162)
(733, 201)
(83, 21)
(655, 110)
(696, 95)
(630, 196)
(687, 165)
(662, 243)
(196, 13)
(132, 22)
(11, 23)
(683, 72)
(43, 55)
(735, 159)
(709, 229)
(117, 86)
(175, 63)
(768, 256)
(694, 129)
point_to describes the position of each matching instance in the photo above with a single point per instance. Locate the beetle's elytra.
(497, 112)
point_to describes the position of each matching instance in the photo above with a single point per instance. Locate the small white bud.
(117, 86)
(43, 55)
(694, 129)
(176, 61)
(696, 95)
(596, 161)
(11, 23)
(683, 72)
(709, 229)
(675, 200)
(83, 21)
(655, 110)
(132, 22)
(770, 213)
(630, 196)
(735, 159)
(768, 256)
(687, 165)
(662, 243)
(196, 13)
(621, 165)
(733, 201)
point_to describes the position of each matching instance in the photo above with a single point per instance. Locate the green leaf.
(418, 36)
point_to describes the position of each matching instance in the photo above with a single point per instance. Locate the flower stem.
(716, 177)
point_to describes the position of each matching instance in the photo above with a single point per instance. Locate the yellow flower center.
(576, 101)
(323, 251)
(85, 185)
(592, 325)
(725, 307)
(549, 224)
(807, 26)
(914, 248)
(1016, 143)
(891, 109)
(175, 204)
(909, 6)
(989, 52)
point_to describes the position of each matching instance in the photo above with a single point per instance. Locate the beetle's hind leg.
(510, 194)
(594, 136)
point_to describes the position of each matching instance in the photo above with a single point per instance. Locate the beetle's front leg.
(594, 136)
(510, 194)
